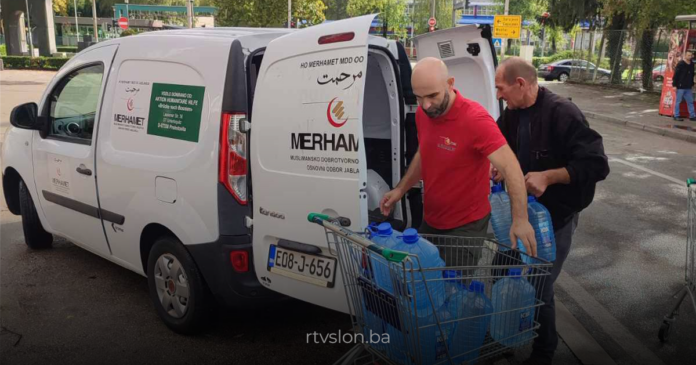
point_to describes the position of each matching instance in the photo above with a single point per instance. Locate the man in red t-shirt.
(459, 141)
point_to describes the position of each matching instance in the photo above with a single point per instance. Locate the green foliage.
(336, 9)
(268, 13)
(66, 49)
(423, 11)
(36, 63)
(391, 11)
(129, 32)
(3, 50)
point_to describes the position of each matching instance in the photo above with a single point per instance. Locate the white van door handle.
(82, 169)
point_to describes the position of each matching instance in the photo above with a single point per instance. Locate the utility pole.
(31, 41)
(77, 24)
(94, 19)
(289, 14)
(189, 13)
(503, 42)
(126, 9)
(432, 14)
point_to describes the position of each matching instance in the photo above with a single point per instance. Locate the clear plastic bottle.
(472, 308)
(540, 219)
(514, 296)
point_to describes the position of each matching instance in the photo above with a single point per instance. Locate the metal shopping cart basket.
(387, 289)
(690, 268)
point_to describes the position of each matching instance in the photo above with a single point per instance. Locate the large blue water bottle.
(540, 219)
(514, 296)
(501, 215)
(385, 236)
(436, 341)
(429, 257)
(473, 309)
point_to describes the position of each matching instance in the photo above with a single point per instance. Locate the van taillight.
(335, 38)
(233, 155)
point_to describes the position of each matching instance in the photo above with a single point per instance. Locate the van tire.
(35, 235)
(199, 305)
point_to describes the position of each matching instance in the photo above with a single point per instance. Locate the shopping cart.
(690, 267)
(383, 288)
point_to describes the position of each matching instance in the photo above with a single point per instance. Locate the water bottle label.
(525, 320)
(545, 234)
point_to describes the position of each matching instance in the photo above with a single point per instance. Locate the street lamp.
(77, 24)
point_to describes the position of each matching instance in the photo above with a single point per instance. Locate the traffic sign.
(123, 22)
(497, 42)
(507, 26)
(432, 22)
(432, 29)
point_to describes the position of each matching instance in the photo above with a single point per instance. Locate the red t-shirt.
(454, 152)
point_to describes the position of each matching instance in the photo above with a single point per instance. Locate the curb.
(643, 127)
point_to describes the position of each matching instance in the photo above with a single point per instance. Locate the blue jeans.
(689, 96)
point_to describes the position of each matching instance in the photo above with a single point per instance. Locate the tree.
(60, 7)
(268, 13)
(336, 9)
(423, 11)
(392, 13)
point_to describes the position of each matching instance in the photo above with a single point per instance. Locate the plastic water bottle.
(540, 219)
(501, 215)
(513, 292)
(385, 236)
(429, 257)
(470, 332)
(436, 341)
(452, 283)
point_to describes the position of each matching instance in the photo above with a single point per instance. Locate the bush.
(36, 63)
(128, 32)
(3, 50)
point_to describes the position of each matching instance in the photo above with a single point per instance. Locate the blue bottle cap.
(384, 229)
(450, 274)
(477, 287)
(531, 199)
(515, 272)
(496, 188)
(411, 235)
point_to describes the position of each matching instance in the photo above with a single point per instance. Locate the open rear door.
(467, 52)
(307, 155)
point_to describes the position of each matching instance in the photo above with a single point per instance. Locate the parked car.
(563, 69)
(658, 73)
(147, 158)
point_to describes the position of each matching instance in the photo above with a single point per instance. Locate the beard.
(438, 110)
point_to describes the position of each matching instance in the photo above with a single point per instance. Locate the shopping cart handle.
(690, 182)
(389, 254)
(317, 218)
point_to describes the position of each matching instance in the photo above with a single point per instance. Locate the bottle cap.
(496, 188)
(477, 287)
(411, 235)
(531, 199)
(384, 229)
(450, 274)
(515, 272)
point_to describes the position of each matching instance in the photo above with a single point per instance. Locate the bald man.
(458, 140)
(562, 159)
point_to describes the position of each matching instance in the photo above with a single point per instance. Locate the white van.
(193, 157)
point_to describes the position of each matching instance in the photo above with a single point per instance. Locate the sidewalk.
(628, 108)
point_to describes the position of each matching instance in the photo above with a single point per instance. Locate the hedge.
(36, 63)
(67, 49)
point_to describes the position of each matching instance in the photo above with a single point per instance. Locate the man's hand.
(496, 175)
(536, 182)
(522, 230)
(389, 199)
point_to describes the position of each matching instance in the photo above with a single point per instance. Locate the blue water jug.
(436, 341)
(383, 235)
(429, 257)
(501, 215)
(453, 283)
(514, 296)
(473, 309)
(540, 219)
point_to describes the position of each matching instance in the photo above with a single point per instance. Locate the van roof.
(223, 32)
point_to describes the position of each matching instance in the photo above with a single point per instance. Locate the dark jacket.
(683, 75)
(561, 137)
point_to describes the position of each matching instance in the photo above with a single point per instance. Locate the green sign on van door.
(175, 111)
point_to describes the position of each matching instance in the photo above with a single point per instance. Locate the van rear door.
(468, 53)
(307, 155)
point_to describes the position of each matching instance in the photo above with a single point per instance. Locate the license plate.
(313, 269)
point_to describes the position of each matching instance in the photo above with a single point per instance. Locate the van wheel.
(177, 289)
(35, 235)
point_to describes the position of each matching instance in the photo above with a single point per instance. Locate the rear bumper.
(544, 74)
(232, 289)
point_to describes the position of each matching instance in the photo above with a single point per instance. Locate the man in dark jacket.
(562, 159)
(683, 80)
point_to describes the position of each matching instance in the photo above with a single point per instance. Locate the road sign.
(123, 22)
(432, 29)
(432, 22)
(497, 42)
(507, 26)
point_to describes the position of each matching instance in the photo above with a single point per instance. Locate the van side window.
(73, 105)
